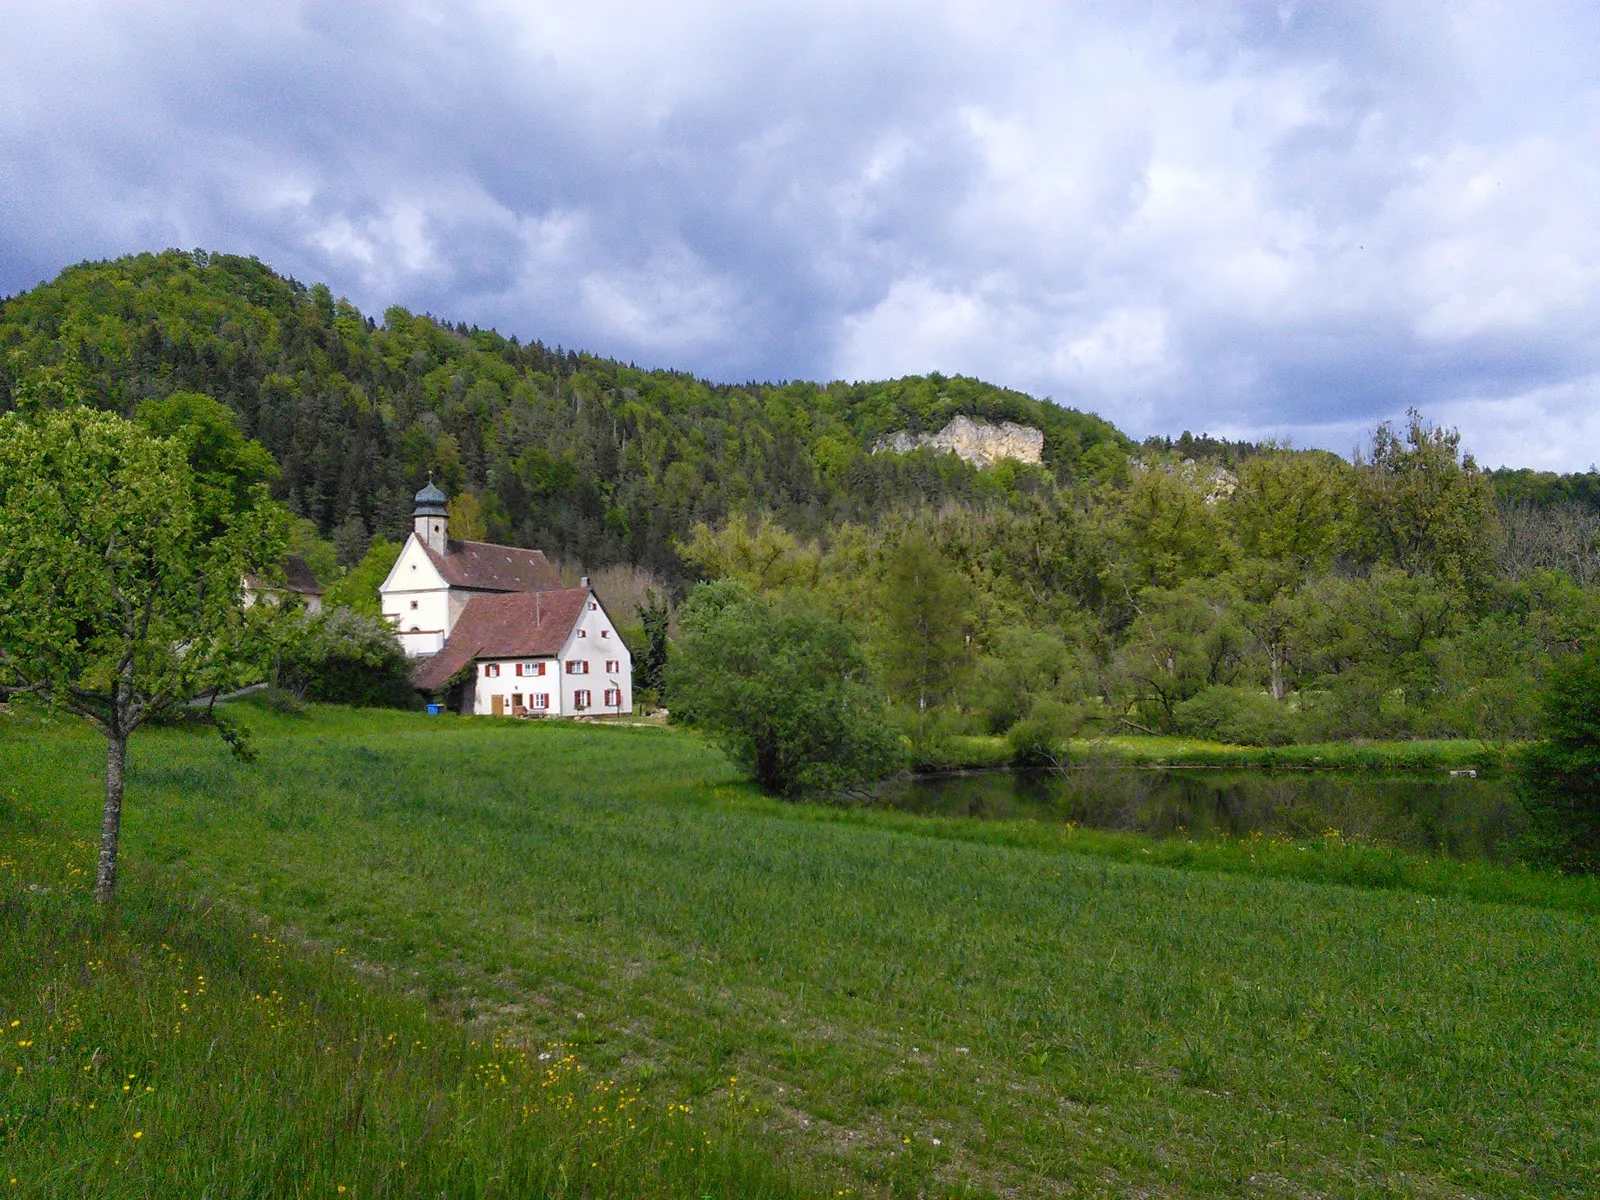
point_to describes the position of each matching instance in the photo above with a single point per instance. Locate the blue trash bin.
(435, 709)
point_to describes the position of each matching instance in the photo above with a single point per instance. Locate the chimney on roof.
(430, 519)
(584, 582)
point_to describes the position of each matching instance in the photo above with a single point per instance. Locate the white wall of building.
(594, 642)
(272, 595)
(416, 600)
(499, 678)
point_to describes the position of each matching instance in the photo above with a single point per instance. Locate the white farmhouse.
(494, 630)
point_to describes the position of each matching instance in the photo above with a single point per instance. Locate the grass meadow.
(793, 999)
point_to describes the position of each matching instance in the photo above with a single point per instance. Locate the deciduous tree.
(785, 690)
(1426, 507)
(926, 608)
(120, 596)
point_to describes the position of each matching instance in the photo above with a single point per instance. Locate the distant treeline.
(586, 457)
(1196, 585)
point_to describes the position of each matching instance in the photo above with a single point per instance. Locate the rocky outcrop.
(976, 442)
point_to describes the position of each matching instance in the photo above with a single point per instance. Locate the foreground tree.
(1559, 777)
(120, 586)
(784, 690)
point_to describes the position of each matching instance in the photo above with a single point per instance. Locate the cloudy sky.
(1287, 220)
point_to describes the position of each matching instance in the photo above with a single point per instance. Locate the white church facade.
(494, 631)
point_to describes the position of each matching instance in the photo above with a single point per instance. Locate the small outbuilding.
(294, 578)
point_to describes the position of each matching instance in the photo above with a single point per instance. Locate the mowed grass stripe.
(1057, 1022)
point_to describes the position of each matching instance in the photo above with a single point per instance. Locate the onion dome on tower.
(430, 518)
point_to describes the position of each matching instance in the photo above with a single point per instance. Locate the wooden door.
(498, 704)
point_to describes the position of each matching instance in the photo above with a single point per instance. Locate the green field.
(904, 1006)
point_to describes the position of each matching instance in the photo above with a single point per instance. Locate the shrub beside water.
(785, 691)
(1041, 739)
(1559, 777)
(1239, 716)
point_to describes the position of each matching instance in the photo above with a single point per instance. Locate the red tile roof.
(517, 625)
(483, 567)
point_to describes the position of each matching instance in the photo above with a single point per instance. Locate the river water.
(1427, 812)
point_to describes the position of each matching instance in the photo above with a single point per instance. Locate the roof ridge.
(497, 545)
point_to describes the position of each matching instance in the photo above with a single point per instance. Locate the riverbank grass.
(919, 1006)
(973, 752)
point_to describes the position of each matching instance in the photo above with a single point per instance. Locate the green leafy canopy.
(116, 599)
(785, 691)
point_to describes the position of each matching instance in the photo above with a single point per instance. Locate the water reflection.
(1435, 814)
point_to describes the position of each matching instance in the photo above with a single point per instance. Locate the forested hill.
(587, 457)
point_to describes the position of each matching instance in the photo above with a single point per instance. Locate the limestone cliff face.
(977, 442)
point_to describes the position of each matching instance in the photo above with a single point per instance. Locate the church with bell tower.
(497, 629)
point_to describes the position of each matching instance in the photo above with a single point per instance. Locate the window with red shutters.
(580, 698)
(541, 699)
(613, 697)
(491, 670)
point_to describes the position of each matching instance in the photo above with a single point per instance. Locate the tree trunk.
(105, 881)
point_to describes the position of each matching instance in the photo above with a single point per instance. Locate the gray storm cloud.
(1258, 220)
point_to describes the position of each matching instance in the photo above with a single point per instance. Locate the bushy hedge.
(344, 657)
(1239, 715)
(1041, 738)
